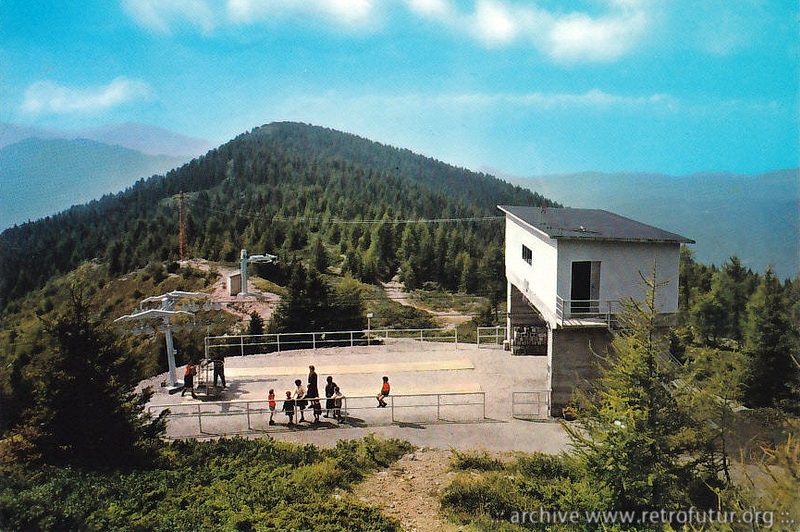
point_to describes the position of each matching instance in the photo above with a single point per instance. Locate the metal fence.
(534, 404)
(277, 342)
(491, 336)
(254, 412)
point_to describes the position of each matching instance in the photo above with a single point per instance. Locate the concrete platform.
(412, 368)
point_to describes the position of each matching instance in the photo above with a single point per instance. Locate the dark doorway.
(585, 290)
(581, 286)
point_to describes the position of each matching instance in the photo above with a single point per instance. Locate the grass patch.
(265, 285)
(390, 314)
(440, 301)
(490, 495)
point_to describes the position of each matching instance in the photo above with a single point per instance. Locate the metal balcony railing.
(604, 310)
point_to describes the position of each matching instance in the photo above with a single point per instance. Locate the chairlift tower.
(245, 260)
(166, 311)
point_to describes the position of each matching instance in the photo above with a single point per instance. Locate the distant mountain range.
(149, 140)
(43, 171)
(756, 217)
(41, 177)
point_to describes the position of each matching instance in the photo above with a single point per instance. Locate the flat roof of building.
(589, 224)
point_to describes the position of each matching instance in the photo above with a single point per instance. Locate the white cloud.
(431, 8)
(477, 101)
(494, 23)
(158, 15)
(594, 98)
(207, 15)
(564, 37)
(340, 12)
(49, 97)
(578, 36)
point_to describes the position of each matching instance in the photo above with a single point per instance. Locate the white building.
(567, 270)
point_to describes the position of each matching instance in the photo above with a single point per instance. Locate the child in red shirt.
(384, 393)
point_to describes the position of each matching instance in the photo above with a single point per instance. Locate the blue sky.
(524, 87)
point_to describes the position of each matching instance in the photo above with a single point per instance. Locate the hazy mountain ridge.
(150, 140)
(756, 217)
(39, 177)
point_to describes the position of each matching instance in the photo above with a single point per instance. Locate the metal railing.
(604, 310)
(533, 404)
(491, 336)
(250, 408)
(277, 342)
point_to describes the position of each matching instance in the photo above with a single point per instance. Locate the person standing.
(219, 371)
(188, 379)
(330, 404)
(300, 399)
(337, 403)
(288, 407)
(271, 399)
(313, 391)
(384, 393)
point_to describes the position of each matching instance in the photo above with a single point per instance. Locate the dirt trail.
(262, 302)
(409, 491)
(394, 291)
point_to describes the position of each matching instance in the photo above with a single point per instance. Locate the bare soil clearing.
(409, 490)
(394, 291)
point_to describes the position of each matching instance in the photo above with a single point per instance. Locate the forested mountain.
(284, 188)
(42, 176)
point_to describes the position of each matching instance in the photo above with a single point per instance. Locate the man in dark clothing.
(330, 404)
(219, 371)
(312, 390)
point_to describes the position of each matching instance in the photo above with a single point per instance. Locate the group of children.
(302, 396)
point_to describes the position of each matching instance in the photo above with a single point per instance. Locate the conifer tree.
(771, 342)
(256, 326)
(86, 410)
(636, 435)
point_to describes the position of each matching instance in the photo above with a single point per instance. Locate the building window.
(527, 254)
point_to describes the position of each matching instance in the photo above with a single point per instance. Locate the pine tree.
(636, 435)
(319, 255)
(256, 326)
(717, 378)
(86, 410)
(771, 342)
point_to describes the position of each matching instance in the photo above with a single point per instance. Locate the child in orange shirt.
(271, 399)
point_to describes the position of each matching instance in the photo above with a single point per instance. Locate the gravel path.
(409, 490)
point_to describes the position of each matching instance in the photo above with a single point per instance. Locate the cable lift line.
(345, 221)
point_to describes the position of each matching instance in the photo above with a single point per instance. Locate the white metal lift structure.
(166, 311)
(245, 260)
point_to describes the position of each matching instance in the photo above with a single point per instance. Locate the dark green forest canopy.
(267, 190)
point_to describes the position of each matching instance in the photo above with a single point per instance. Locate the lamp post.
(369, 321)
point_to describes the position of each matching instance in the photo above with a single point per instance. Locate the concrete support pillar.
(574, 364)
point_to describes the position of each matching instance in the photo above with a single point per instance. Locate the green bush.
(491, 495)
(227, 484)
(479, 461)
